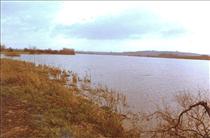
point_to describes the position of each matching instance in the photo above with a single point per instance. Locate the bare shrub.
(190, 119)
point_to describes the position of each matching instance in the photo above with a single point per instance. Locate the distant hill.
(159, 54)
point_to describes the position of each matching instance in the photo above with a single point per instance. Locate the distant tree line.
(64, 51)
(34, 50)
(205, 57)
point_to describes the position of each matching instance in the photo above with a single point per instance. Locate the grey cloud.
(26, 16)
(23, 20)
(127, 25)
(172, 32)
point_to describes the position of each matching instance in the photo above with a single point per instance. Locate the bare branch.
(202, 103)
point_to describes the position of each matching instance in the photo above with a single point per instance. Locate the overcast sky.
(108, 25)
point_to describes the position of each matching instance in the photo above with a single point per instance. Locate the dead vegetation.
(38, 101)
(42, 101)
(191, 120)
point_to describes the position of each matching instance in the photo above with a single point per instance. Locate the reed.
(40, 101)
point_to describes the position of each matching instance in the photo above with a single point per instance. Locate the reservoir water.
(145, 81)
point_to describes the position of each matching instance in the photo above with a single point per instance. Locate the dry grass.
(38, 101)
(41, 101)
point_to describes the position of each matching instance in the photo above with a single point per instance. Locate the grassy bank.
(41, 101)
(38, 101)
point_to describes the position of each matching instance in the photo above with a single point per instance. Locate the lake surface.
(145, 81)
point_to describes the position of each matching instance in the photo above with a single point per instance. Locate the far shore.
(66, 51)
(158, 54)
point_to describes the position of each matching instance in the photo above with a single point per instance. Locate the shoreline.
(190, 58)
(41, 101)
